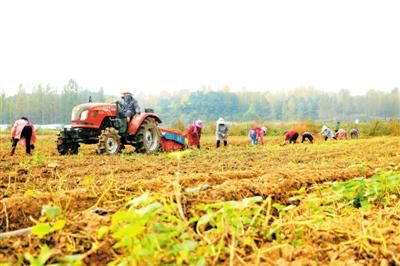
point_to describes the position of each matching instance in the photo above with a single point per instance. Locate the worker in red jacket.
(23, 132)
(290, 137)
(194, 134)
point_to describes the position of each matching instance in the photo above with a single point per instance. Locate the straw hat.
(126, 92)
(220, 121)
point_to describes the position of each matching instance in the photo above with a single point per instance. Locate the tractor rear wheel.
(148, 136)
(109, 141)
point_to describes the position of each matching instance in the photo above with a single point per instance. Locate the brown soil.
(82, 183)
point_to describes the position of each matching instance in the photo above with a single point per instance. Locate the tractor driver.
(129, 105)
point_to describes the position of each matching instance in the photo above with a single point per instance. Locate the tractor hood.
(80, 112)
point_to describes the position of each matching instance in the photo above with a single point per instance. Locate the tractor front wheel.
(61, 146)
(65, 147)
(109, 141)
(148, 136)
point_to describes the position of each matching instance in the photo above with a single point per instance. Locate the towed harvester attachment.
(172, 140)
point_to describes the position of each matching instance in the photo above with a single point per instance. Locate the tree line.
(47, 105)
(296, 105)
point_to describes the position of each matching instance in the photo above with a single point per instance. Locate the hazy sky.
(171, 45)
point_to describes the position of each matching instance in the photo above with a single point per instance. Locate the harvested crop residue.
(89, 188)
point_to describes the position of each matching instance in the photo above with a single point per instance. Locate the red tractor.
(104, 125)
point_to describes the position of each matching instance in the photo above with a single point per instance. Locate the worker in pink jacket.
(256, 135)
(193, 134)
(23, 132)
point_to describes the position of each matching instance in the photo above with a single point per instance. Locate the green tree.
(251, 114)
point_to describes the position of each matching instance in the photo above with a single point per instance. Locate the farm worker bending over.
(221, 132)
(194, 133)
(129, 105)
(341, 134)
(354, 133)
(307, 135)
(256, 135)
(23, 132)
(325, 131)
(290, 137)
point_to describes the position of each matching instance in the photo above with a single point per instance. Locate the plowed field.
(90, 188)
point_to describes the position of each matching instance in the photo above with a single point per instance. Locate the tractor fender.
(137, 121)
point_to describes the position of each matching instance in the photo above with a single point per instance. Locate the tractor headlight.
(84, 115)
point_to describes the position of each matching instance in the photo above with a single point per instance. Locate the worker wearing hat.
(256, 135)
(129, 105)
(193, 134)
(221, 132)
(327, 133)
